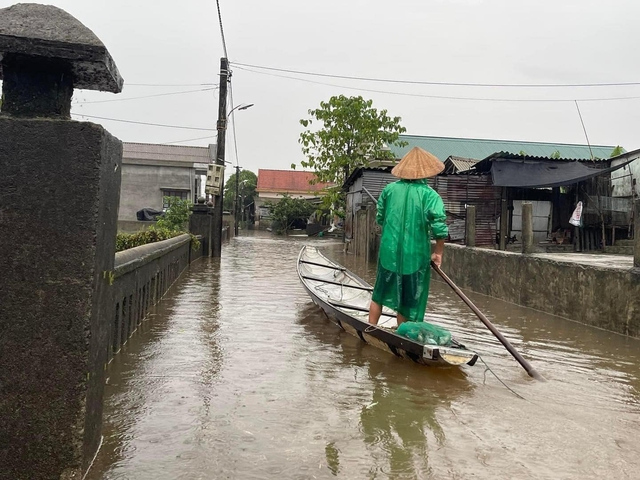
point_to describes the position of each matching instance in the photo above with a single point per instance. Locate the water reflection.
(398, 420)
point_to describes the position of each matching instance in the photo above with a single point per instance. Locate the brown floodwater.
(237, 375)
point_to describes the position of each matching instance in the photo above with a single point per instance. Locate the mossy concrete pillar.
(470, 235)
(201, 223)
(60, 184)
(527, 227)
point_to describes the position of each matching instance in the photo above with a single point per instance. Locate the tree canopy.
(343, 134)
(287, 211)
(247, 189)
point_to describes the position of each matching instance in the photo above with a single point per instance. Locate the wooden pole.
(216, 251)
(470, 237)
(526, 365)
(504, 220)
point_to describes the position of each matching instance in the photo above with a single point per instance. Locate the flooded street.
(237, 375)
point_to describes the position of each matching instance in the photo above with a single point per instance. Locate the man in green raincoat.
(410, 212)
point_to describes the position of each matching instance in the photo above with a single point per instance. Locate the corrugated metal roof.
(459, 164)
(169, 153)
(444, 147)
(485, 164)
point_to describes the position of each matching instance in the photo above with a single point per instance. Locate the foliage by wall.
(172, 223)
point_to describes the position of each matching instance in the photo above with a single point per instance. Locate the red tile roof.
(287, 181)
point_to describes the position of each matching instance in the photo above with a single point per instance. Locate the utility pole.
(236, 199)
(222, 128)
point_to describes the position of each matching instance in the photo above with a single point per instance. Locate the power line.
(190, 140)
(143, 123)
(442, 97)
(233, 123)
(170, 84)
(148, 96)
(448, 84)
(224, 42)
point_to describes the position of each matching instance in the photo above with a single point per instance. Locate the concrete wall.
(142, 186)
(54, 304)
(607, 298)
(622, 179)
(142, 275)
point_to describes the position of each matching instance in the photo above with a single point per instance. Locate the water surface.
(236, 374)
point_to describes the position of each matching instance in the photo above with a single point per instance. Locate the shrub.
(172, 223)
(125, 241)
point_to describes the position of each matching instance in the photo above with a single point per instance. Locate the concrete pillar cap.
(50, 33)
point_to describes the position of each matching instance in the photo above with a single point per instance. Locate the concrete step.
(624, 243)
(558, 248)
(619, 250)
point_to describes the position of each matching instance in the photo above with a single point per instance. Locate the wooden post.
(527, 228)
(470, 237)
(613, 235)
(504, 222)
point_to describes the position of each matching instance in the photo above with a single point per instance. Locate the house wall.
(622, 179)
(142, 187)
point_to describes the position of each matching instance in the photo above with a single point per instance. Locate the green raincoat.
(410, 213)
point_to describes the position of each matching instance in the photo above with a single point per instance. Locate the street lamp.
(239, 107)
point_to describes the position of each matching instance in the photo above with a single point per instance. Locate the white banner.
(576, 217)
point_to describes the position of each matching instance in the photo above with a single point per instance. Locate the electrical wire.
(448, 84)
(148, 96)
(439, 97)
(143, 123)
(233, 123)
(170, 84)
(189, 140)
(224, 42)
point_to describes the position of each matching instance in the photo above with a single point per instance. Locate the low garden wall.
(607, 298)
(142, 275)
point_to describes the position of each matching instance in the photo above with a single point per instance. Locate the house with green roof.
(476, 148)
(552, 208)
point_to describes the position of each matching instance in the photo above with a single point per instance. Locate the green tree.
(176, 216)
(350, 133)
(556, 155)
(287, 211)
(247, 188)
(617, 151)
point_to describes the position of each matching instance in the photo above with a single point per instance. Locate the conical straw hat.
(416, 164)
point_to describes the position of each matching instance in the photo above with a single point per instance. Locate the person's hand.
(437, 259)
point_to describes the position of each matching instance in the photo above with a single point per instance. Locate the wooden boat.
(345, 298)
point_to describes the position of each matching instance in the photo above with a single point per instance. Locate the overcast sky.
(459, 41)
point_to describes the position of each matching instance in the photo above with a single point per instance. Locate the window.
(182, 194)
